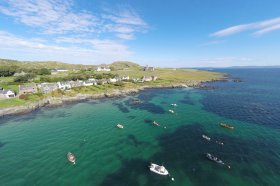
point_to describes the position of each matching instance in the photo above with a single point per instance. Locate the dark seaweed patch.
(121, 107)
(187, 100)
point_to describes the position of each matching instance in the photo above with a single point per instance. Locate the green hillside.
(42, 64)
(124, 65)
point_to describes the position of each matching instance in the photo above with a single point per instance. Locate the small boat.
(155, 123)
(206, 137)
(174, 104)
(213, 158)
(171, 111)
(226, 126)
(71, 157)
(220, 142)
(120, 126)
(158, 169)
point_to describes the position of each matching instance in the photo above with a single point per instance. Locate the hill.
(42, 64)
(124, 65)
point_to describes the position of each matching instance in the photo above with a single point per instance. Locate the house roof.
(27, 87)
(5, 91)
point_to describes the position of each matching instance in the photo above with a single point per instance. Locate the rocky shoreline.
(57, 101)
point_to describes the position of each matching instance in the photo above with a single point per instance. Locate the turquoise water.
(33, 147)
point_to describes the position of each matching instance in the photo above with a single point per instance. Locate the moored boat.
(219, 142)
(120, 126)
(226, 126)
(206, 137)
(171, 111)
(173, 104)
(161, 170)
(71, 157)
(155, 123)
(214, 158)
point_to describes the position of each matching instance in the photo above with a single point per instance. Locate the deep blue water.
(256, 99)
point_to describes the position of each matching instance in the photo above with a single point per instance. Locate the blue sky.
(178, 33)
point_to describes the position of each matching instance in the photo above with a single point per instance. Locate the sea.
(34, 147)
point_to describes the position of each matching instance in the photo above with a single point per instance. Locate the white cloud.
(267, 29)
(52, 16)
(124, 21)
(262, 27)
(59, 17)
(100, 51)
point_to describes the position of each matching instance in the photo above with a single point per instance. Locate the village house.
(58, 70)
(7, 94)
(147, 68)
(92, 80)
(151, 78)
(137, 80)
(76, 83)
(103, 69)
(89, 82)
(112, 80)
(147, 78)
(27, 89)
(154, 78)
(125, 78)
(48, 87)
(102, 82)
(64, 85)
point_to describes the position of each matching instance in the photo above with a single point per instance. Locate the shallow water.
(33, 147)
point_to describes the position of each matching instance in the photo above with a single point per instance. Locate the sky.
(177, 33)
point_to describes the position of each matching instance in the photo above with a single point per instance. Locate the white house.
(103, 69)
(76, 83)
(64, 85)
(89, 82)
(125, 78)
(92, 80)
(147, 68)
(58, 70)
(7, 94)
(112, 80)
(147, 78)
(48, 87)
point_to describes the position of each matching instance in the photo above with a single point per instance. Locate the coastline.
(58, 101)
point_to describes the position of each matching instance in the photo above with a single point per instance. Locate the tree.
(7, 71)
(24, 78)
(44, 71)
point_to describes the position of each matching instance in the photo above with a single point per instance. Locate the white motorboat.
(161, 170)
(155, 123)
(206, 137)
(171, 111)
(120, 126)
(71, 157)
(173, 104)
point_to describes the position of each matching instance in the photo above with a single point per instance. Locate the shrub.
(24, 78)
(23, 96)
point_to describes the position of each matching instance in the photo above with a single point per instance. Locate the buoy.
(172, 179)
